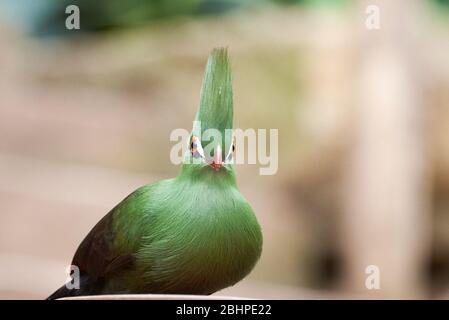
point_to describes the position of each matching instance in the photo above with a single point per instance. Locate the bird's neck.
(225, 177)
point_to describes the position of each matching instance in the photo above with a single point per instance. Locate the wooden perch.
(154, 297)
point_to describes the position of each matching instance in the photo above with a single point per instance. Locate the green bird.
(193, 234)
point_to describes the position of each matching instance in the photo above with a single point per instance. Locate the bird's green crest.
(216, 100)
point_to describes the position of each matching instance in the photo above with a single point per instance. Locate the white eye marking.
(196, 148)
(230, 156)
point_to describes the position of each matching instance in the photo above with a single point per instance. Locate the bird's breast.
(201, 252)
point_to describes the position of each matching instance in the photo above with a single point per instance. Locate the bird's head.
(211, 144)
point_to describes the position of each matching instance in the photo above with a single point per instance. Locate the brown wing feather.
(96, 255)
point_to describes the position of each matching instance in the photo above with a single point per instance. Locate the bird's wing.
(109, 248)
(96, 254)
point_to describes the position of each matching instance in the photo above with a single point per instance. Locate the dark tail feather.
(61, 293)
(86, 288)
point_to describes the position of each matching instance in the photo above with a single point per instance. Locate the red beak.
(217, 163)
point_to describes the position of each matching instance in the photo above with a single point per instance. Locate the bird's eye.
(195, 148)
(193, 145)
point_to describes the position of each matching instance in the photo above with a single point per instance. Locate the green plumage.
(216, 101)
(194, 234)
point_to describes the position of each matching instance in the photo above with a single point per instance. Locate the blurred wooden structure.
(386, 216)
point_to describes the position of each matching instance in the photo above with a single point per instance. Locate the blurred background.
(363, 119)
